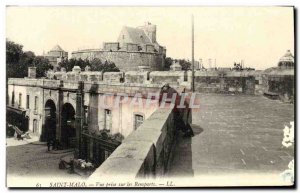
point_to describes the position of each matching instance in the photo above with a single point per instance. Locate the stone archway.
(68, 130)
(49, 128)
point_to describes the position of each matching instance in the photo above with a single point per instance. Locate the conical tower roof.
(287, 57)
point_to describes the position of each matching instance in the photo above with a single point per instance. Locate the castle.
(135, 48)
(56, 55)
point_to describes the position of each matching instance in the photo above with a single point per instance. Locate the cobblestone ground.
(32, 160)
(235, 134)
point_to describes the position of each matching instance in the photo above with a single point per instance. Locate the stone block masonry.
(124, 60)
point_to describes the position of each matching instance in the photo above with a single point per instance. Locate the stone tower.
(150, 31)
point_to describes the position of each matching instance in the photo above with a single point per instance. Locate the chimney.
(31, 72)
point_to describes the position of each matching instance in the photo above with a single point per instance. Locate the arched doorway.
(68, 131)
(49, 131)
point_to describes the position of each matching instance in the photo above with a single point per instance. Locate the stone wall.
(227, 81)
(145, 152)
(125, 60)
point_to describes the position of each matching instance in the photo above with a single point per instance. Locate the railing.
(96, 148)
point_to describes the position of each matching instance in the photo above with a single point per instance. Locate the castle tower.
(150, 31)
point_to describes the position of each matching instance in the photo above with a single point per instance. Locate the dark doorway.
(68, 131)
(49, 132)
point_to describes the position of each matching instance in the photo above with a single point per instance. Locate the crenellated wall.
(246, 82)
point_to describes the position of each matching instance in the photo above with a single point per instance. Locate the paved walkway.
(15, 142)
(235, 134)
(32, 160)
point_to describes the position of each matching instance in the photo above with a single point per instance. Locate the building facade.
(71, 109)
(279, 81)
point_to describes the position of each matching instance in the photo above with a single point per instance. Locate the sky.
(257, 35)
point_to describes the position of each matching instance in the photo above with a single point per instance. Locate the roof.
(287, 57)
(57, 48)
(136, 35)
(275, 71)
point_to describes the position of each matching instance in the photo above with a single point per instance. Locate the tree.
(65, 64)
(168, 62)
(18, 61)
(186, 65)
(13, 52)
(110, 67)
(42, 65)
(69, 64)
(96, 65)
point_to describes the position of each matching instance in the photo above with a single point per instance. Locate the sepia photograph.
(150, 97)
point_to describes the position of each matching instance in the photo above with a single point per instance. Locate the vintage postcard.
(150, 97)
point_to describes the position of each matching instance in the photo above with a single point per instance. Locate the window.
(123, 37)
(20, 99)
(34, 126)
(13, 98)
(107, 119)
(36, 102)
(256, 81)
(138, 120)
(27, 101)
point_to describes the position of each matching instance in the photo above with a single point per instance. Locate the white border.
(4, 3)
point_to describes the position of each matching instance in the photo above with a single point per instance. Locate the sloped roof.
(57, 48)
(136, 35)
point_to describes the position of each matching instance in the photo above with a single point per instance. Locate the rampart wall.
(248, 82)
(125, 60)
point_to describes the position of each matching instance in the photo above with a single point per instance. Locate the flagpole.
(193, 65)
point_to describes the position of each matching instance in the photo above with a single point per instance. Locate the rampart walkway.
(234, 134)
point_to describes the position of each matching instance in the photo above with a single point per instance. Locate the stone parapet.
(247, 82)
(34, 82)
(145, 152)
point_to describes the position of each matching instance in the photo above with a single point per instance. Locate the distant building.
(287, 60)
(279, 81)
(134, 47)
(224, 69)
(56, 55)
